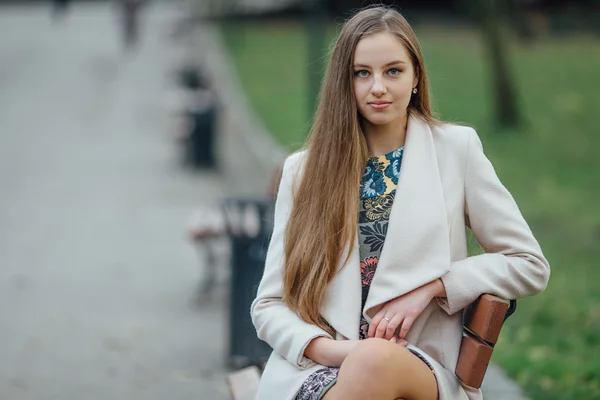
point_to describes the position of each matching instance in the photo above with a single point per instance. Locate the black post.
(316, 32)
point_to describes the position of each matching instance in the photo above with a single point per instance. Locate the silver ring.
(387, 319)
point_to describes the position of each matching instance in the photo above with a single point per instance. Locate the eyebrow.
(386, 65)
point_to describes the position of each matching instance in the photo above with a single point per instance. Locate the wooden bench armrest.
(482, 324)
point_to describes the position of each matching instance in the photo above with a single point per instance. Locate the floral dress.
(377, 192)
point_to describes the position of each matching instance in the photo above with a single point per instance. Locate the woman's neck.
(382, 139)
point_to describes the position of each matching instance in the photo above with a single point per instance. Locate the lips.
(379, 105)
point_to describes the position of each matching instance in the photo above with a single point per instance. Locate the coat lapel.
(417, 245)
(341, 307)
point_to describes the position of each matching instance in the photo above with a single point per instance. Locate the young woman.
(367, 270)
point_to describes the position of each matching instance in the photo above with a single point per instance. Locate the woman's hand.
(332, 353)
(403, 311)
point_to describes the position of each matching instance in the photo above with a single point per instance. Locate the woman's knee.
(377, 368)
(374, 356)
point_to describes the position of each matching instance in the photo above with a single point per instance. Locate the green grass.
(551, 346)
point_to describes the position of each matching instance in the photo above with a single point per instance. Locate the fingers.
(375, 323)
(381, 327)
(384, 326)
(406, 325)
(392, 325)
(387, 327)
(401, 342)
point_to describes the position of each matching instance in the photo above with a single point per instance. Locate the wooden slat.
(243, 384)
(473, 361)
(486, 316)
(482, 325)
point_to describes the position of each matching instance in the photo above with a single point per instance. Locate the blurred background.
(140, 143)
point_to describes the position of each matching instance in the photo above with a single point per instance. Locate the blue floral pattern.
(393, 171)
(396, 154)
(373, 186)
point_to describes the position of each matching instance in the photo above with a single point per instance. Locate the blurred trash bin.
(59, 8)
(189, 76)
(249, 224)
(201, 139)
(200, 111)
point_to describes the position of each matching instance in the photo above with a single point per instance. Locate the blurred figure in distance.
(129, 11)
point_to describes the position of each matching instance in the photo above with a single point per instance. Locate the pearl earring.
(415, 90)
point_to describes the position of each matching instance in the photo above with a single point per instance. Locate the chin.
(379, 120)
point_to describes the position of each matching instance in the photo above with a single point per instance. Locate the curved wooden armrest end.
(483, 321)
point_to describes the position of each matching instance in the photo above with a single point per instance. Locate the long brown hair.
(324, 217)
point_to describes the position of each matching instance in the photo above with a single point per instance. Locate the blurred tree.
(595, 17)
(489, 12)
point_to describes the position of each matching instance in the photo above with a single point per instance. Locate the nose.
(378, 88)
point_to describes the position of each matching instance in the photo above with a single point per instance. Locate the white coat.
(446, 184)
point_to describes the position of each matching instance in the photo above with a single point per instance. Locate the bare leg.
(380, 370)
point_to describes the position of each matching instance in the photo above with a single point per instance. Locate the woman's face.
(384, 78)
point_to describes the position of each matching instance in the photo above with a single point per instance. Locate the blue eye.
(394, 71)
(363, 73)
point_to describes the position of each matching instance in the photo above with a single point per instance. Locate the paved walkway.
(97, 278)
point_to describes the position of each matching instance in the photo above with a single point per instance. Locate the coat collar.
(417, 246)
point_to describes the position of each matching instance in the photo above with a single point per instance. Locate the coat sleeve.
(275, 323)
(513, 265)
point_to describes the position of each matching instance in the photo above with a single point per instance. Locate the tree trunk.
(507, 111)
